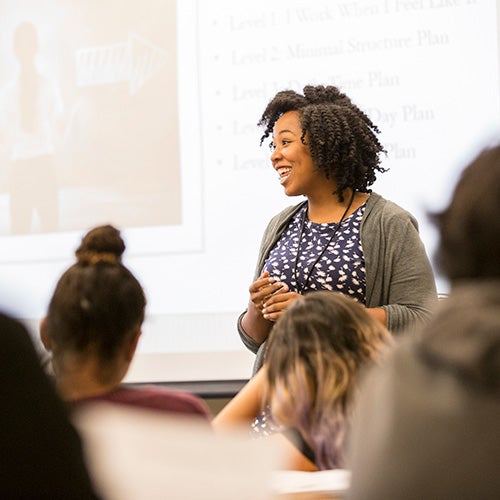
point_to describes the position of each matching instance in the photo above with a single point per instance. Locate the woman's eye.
(283, 142)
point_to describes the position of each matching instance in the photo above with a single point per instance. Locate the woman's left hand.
(276, 304)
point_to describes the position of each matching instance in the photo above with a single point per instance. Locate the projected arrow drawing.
(134, 61)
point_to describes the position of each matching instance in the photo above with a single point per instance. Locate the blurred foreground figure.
(41, 451)
(303, 395)
(428, 421)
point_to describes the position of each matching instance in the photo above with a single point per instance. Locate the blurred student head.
(314, 357)
(427, 421)
(41, 452)
(470, 226)
(96, 311)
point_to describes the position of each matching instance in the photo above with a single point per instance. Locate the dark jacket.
(428, 421)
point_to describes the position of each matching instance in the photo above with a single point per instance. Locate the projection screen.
(148, 112)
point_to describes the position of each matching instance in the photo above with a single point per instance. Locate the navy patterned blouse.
(341, 266)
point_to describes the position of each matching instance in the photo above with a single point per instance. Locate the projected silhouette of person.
(32, 108)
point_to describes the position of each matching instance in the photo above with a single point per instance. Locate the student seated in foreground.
(313, 359)
(428, 420)
(93, 326)
(42, 455)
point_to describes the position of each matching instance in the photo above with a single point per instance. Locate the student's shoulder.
(156, 398)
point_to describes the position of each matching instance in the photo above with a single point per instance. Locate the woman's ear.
(44, 334)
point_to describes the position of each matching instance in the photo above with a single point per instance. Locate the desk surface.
(320, 485)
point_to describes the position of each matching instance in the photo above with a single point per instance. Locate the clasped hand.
(270, 296)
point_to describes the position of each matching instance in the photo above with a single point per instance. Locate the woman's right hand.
(253, 323)
(265, 286)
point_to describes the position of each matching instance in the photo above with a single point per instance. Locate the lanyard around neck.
(300, 289)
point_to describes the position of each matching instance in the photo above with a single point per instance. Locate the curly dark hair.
(341, 138)
(97, 303)
(469, 246)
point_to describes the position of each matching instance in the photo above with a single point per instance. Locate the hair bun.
(101, 244)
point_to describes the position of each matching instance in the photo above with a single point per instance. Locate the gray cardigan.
(399, 276)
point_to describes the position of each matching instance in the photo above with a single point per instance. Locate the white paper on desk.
(331, 481)
(137, 455)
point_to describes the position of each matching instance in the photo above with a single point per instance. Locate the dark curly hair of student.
(341, 138)
(97, 303)
(469, 246)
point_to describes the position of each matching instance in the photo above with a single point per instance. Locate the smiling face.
(292, 159)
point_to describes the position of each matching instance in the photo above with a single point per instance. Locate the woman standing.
(343, 237)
